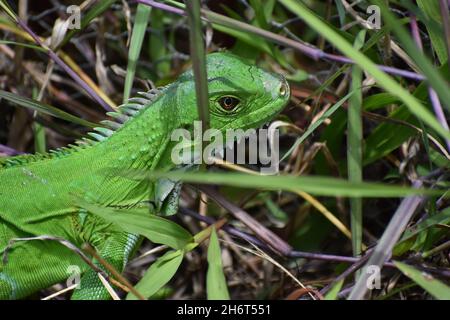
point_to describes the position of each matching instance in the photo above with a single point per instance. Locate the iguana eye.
(228, 103)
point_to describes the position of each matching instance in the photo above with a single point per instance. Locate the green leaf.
(268, 7)
(433, 286)
(333, 293)
(388, 136)
(140, 221)
(159, 274)
(216, 284)
(403, 245)
(260, 14)
(276, 212)
(379, 100)
(137, 38)
(44, 108)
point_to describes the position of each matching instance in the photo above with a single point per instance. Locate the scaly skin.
(37, 192)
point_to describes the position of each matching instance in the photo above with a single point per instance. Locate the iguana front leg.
(116, 251)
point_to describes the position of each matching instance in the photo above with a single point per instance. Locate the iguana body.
(37, 191)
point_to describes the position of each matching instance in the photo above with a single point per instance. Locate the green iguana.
(36, 191)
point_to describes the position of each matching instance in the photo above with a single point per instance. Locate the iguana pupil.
(228, 103)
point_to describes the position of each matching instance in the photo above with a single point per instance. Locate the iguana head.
(241, 95)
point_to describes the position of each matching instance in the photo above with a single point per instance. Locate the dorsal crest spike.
(134, 106)
(97, 136)
(118, 116)
(128, 111)
(141, 101)
(111, 124)
(151, 94)
(104, 131)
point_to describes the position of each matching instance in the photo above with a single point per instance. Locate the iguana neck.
(139, 142)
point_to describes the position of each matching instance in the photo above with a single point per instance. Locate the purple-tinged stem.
(65, 67)
(162, 6)
(437, 107)
(353, 268)
(308, 50)
(387, 69)
(434, 99)
(9, 151)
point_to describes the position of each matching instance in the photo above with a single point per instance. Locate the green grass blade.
(137, 38)
(442, 218)
(323, 186)
(433, 286)
(40, 141)
(157, 45)
(354, 147)
(197, 46)
(40, 144)
(316, 124)
(44, 108)
(24, 45)
(216, 284)
(333, 293)
(384, 80)
(159, 274)
(4, 5)
(388, 136)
